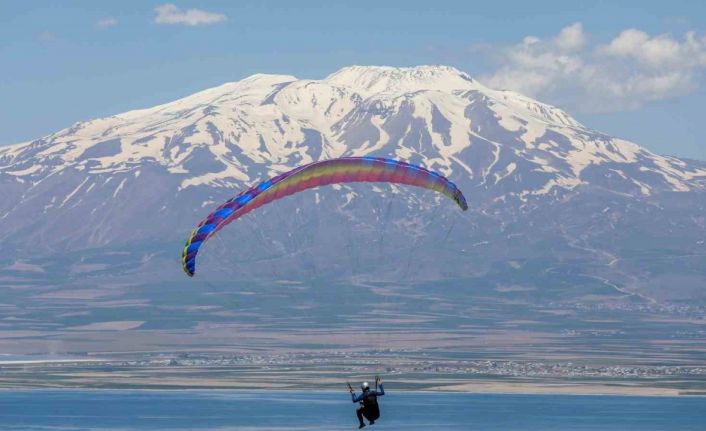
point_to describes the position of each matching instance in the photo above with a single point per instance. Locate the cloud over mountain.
(632, 69)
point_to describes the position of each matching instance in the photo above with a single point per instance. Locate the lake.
(68, 409)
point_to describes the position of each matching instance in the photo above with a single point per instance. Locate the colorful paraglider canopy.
(335, 171)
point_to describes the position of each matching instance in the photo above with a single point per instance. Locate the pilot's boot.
(359, 413)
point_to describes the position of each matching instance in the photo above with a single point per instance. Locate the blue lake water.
(279, 410)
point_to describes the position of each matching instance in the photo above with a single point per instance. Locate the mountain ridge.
(262, 115)
(540, 185)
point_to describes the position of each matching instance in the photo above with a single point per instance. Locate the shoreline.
(293, 373)
(328, 391)
(486, 388)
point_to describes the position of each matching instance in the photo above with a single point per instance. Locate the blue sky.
(70, 61)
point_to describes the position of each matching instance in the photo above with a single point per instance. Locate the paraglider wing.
(342, 170)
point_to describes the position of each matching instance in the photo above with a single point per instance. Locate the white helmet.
(365, 386)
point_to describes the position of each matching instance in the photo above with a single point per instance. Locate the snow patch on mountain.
(239, 132)
(376, 80)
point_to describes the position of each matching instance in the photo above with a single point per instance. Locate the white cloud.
(106, 22)
(571, 38)
(171, 14)
(629, 71)
(659, 51)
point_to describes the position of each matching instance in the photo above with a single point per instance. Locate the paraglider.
(334, 171)
(369, 407)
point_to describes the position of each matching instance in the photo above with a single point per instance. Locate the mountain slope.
(543, 188)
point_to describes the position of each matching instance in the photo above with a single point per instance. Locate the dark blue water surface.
(279, 410)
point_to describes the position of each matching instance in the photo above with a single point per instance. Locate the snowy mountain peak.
(370, 80)
(500, 142)
(258, 85)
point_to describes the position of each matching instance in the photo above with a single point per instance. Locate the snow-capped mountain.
(438, 116)
(150, 174)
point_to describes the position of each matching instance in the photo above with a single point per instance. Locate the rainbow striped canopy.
(342, 170)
